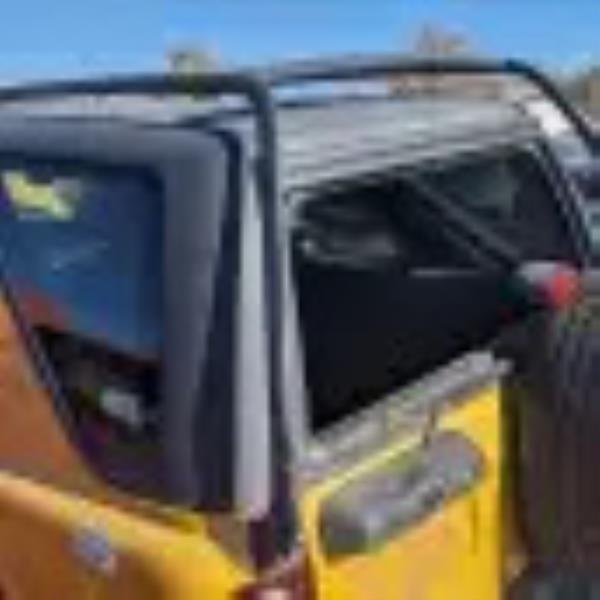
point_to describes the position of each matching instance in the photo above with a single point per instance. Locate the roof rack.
(376, 66)
(255, 85)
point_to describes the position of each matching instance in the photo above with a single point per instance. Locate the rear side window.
(513, 195)
(387, 291)
(81, 250)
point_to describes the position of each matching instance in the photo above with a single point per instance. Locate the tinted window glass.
(85, 248)
(386, 292)
(513, 195)
(81, 250)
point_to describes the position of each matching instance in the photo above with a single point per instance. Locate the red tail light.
(290, 581)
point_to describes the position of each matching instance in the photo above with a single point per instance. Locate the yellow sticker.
(44, 198)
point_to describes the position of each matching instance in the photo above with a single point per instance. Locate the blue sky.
(63, 37)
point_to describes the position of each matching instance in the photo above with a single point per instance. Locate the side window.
(373, 228)
(512, 194)
(386, 293)
(81, 250)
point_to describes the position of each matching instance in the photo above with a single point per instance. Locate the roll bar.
(255, 85)
(369, 67)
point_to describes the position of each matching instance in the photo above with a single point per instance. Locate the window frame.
(194, 173)
(313, 444)
(564, 197)
(87, 168)
(307, 438)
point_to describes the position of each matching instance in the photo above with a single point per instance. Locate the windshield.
(81, 249)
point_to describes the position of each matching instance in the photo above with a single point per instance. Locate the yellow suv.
(258, 350)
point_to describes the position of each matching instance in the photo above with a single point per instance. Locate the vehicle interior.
(385, 275)
(373, 257)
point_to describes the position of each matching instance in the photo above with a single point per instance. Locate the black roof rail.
(376, 66)
(254, 84)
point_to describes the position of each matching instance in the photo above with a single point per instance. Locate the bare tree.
(583, 88)
(191, 59)
(437, 42)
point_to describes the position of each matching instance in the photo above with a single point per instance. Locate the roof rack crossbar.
(254, 84)
(370, 67)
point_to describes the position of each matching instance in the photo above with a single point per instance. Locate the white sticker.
(94, 548)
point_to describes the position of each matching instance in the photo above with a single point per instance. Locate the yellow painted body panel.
(50, 502)
(45, 551)
(455, 553)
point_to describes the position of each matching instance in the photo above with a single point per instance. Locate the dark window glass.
(81, 250)
(513, 195)
(387, 291)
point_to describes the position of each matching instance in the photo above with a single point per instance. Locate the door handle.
(384, 504)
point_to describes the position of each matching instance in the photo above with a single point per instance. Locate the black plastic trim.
(174, 158)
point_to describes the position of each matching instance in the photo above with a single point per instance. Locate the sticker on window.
(56, 199)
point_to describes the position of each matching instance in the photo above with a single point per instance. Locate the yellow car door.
(85, 503)
(63, 534)
(58, 545)
(407, 505)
